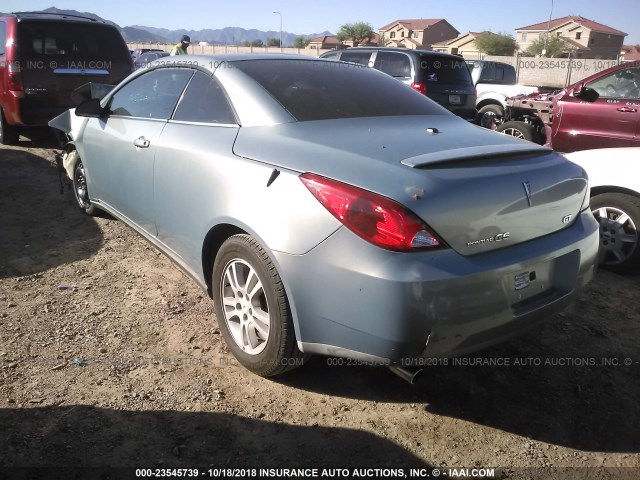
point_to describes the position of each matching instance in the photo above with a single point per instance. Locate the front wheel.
(80, 185)
(489, 114)
(518, 129)
(252, 308)
(619, 217)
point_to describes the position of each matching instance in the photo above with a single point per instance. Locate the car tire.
(80, 185)
(9, 135)
(488, 114)
(518, 129)
(619, 241)
(252, 308)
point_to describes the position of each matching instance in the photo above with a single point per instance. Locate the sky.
(300, 17)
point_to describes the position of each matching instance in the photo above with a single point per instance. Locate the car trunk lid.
(476, 189)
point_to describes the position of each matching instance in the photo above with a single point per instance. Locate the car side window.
(204, 101)
(331, 55)
(395, 64)
(151, 95)
(621, 84)
(361, 58)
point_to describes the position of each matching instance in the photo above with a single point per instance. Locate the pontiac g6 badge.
(527, 190)
(496, 238)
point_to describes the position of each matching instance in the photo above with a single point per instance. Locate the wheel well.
(600, 189)
(212, 243)
(489, 101)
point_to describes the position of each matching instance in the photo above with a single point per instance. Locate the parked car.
(146, 58)
(601, 111)
(442, 77)
(323, 217)
(50, 55)
(495, 82)
(139, 51)
(615, 202)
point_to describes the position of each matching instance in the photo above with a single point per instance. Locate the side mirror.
(588, 94)
(90, 108)
(577, 89)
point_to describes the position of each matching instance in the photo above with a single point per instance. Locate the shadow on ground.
(87, 436)
(571, 398)
(39, 227)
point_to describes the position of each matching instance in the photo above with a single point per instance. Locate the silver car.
(329, 209)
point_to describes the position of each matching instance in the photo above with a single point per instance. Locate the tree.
(356, 32)
(273, 42)
(300, 42)
(254, 43)
(556, 46)
(491, 43)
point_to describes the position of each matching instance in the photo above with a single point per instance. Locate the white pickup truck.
(495, 82)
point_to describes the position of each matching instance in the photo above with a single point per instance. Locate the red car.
(601, 111)
(583, 120)
(44, 57)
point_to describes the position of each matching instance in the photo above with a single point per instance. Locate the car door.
(195, 149)
(119, 148)
(610, 121)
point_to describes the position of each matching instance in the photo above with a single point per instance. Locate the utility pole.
(280, 29)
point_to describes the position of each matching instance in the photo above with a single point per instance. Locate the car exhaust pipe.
(408, 375)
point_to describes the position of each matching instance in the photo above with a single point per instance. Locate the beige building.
(464, 45)
(630, 53)
(415, 34)
(586, 38)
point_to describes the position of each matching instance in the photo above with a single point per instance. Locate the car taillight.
(420, 87)
(14, 77)
(379, 220)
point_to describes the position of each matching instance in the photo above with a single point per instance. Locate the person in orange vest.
(181, 48)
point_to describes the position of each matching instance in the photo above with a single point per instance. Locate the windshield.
(322, 90)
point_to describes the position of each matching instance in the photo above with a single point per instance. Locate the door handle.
(627, 110)
(141, 142)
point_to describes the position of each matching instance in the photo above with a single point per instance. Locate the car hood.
(469, 184)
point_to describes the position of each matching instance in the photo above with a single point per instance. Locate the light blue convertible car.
(329, 209)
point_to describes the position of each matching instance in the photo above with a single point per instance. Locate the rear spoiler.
(473, 153)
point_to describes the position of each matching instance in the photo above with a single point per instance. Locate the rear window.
(68, 41)
(499, 73)
(447, 70)
(322, 90)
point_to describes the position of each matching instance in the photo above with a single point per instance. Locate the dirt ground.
(111, 356)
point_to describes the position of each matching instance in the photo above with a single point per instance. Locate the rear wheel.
(8, 134)
(80, 185)
(252, 308)
(518, 129)
(619, 217)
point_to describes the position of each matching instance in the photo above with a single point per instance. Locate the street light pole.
(280, 29)
(544, 49)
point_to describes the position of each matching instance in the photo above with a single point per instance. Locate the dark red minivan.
(44, 57)
(601, 111)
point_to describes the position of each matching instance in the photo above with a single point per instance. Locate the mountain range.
(227, 36)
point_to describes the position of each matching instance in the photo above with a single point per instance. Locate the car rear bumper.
(354, 300)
